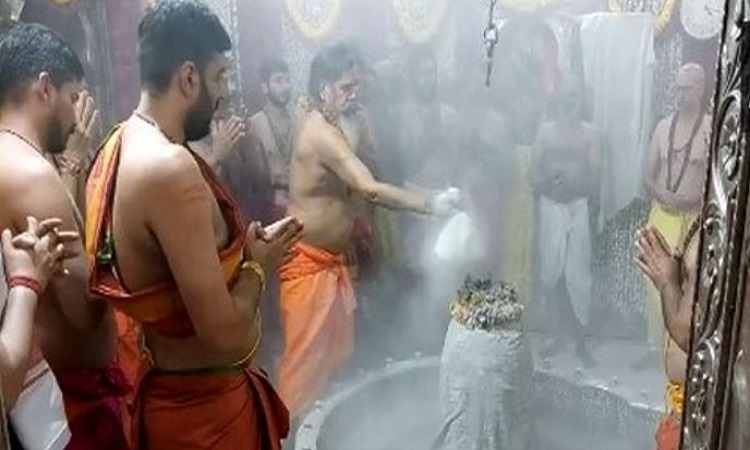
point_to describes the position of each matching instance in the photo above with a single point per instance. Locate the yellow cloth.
(675, 394)
(675, 397)
(516, 264)
(674, 227)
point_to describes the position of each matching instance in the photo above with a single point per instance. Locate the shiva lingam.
(486, 371)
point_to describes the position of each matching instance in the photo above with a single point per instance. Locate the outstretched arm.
(340, 159)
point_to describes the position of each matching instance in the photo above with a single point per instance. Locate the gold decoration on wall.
(661, 18)
(64, 2)
(314, 18)
(526, 5)
(420, 20)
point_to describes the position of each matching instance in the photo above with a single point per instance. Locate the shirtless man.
(40, 82)
(565, 174)
(271, 129)
(674, 175)
(673, 274)
(168, 247)
(317, 300)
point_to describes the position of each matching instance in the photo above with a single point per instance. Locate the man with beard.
(429, 129)
(271, 131)
(317, 299)
(565, 175)
(40, 82)
(168, 247)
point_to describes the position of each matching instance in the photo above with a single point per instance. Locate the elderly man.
(674, 175)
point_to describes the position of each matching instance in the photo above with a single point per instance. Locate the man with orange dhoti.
(167, 247)
(317, 299)
(674, 175)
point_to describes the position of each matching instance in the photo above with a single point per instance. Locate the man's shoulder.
(158, 162)
(32, 187)
(27, 172)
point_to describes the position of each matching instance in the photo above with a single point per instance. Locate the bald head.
(691, 87)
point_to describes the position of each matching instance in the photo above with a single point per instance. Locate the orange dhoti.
(317, 308)
(222, 409)
(668, 433)
(668, 430)
(129, 361)
(93, 407)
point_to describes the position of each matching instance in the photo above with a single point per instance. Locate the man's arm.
(651, 165)
(677, 301)
(339, 158)
(221, 317)
(45, 195)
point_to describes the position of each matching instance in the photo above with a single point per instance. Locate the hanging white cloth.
(618, 61)
(38, 416)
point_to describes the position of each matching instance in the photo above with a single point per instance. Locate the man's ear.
(43, 86)
(188, 79)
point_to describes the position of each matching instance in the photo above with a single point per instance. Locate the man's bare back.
(319, 199)
(71, 329)
(567, 158)
(147, 157)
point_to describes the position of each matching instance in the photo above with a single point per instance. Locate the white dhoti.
(38, 416)
(486, 381)
(565, 252)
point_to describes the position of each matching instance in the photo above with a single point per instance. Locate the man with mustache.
(168, 247)
(326, 179)
(271, 130)
(41, 79)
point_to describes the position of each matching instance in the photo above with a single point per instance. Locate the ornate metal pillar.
(725, 245)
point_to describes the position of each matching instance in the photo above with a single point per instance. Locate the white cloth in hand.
(446, 202)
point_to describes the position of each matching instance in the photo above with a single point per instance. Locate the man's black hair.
(271, 66)
(330, 64)
(176, 31)
(27, 50)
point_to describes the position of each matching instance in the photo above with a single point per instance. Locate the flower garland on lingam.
(484, 305)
